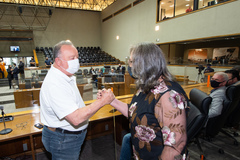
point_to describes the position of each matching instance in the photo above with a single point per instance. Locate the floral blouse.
(158, 122)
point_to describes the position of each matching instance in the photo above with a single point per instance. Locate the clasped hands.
(106, 96)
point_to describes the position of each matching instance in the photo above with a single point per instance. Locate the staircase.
(41, 59)
(3, 82)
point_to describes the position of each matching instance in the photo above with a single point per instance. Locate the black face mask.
(130, 72)
(214, 83)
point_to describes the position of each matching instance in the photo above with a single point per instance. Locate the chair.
(119, 78)
(79, 72)
(197, 115)
(107, 78)
(232, 99)
(216, 124)
(233, 94)
(28, 84)
(42, 76)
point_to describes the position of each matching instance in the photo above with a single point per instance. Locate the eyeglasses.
(21, 125)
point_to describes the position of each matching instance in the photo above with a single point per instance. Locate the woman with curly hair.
(157, 112)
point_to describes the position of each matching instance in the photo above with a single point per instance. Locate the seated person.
(32, 62)
(48, 63)
(208, 69)
(218, 82)
(92, 71)
(233, 77)
(112, 71)
(100, 73)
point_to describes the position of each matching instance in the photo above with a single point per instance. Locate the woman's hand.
(105, 96)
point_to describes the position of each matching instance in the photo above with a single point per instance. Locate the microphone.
(5, 130)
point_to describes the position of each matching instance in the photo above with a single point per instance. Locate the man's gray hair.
(223, 75)
(148, 64)
(57, 48)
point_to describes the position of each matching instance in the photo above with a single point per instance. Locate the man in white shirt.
(63, 112)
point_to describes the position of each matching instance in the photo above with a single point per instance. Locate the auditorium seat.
(28, 84)
(216, 124)
(197, 116)
(37, 49)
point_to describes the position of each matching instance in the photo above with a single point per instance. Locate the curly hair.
(148, 65)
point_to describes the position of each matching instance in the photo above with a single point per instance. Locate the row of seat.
(86, 55)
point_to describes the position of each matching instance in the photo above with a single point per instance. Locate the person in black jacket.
(15, 73)
(10, 76)
(21, 70)
(121, 69)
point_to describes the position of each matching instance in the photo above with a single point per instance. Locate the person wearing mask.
(10, 76)
(63, 112)
(48, 63)
(121, 69)
(2, 67)
(218, 82)
(32, 62)
(154, 107)
(21, 70)
(15, 74)
(233, 77)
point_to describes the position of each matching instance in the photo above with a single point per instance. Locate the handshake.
(105, 96)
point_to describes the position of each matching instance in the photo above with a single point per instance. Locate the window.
(170, 8)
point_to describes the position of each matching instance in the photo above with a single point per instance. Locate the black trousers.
(10, 83)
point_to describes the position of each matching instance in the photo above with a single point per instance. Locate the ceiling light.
(156, 28)
(117, 37)
(187, 4)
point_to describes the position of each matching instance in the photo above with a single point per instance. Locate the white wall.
(137, 24)
(83, 28)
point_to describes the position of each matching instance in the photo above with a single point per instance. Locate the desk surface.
(23, 123)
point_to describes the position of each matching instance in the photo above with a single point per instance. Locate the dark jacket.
(21, 67)
(15, 72)
(10, 74)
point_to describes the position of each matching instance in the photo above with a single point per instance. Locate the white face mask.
(73, 66)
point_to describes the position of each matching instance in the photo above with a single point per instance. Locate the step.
(6, 99)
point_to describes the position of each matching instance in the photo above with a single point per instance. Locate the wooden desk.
(30, 97)
(118, 87)
(25, 133)
(22, 85)
(26, 97)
